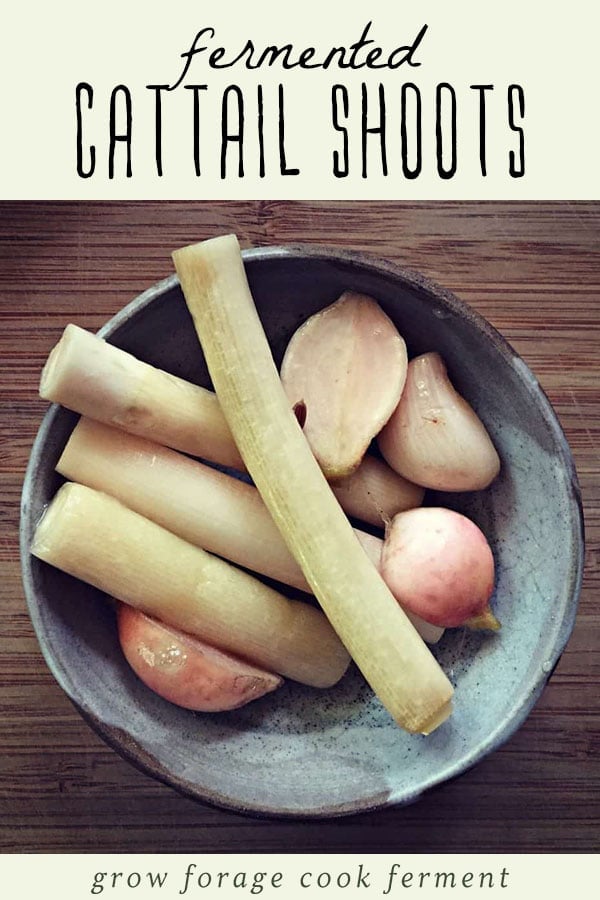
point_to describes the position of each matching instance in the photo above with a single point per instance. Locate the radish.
(185, 670)
(439, 566)
(343, 372)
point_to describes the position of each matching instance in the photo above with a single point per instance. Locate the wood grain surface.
(533, 269)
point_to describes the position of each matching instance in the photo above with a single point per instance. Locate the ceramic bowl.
(300, 751)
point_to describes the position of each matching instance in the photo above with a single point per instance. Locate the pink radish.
(185, 670)
(434, 438)
(439, 566)
(343, 372)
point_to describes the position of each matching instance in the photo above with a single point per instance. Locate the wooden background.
(533, 269)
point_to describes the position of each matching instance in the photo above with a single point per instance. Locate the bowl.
(301, 751)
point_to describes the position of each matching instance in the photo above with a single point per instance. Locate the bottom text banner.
(327, 876)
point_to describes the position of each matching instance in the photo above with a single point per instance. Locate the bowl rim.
(515, 714)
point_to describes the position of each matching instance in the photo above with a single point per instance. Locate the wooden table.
(533, 269)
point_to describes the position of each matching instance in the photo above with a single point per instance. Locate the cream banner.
(302, 877)
(190, 100)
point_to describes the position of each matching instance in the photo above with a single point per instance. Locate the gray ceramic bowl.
(301, 751)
